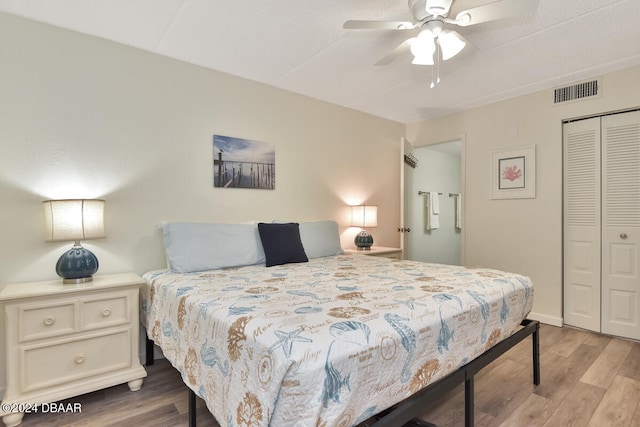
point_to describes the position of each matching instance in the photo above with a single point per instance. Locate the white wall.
(81, 117)
(522, 235)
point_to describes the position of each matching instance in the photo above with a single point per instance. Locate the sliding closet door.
(621, 224)
(582, 223)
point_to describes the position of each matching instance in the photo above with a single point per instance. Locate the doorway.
(438, 170)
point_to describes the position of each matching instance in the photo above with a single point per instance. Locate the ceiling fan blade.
(396, 52)
(497, 10)
(378, 25)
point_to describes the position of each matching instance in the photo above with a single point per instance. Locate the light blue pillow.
(193, 247)
(320, 238)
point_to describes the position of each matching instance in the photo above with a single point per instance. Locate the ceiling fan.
(431, 19)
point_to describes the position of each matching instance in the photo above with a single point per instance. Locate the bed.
(331, 341)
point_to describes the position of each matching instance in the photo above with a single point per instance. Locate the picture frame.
(243, 163)
(513, 173)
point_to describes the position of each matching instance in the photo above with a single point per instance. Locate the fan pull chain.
(438, 62)
(435, 70)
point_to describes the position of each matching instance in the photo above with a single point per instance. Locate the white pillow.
(200, 246)
(320, 238)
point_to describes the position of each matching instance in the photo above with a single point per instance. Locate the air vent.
(576, 91)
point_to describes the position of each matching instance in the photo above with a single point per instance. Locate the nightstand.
(67, 340)
(381, 251)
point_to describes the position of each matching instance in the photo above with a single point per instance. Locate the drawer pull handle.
(79, 359)
(106, 312)
(49, 321)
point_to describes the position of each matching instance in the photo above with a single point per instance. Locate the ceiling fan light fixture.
(427, 39)
(450, 43)
(422, 48)
(422, 60)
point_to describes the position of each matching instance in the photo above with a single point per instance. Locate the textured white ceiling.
(299, 45)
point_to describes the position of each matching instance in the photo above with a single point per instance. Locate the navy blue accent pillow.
(281, 243)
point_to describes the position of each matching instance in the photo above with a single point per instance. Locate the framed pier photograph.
(243, 163)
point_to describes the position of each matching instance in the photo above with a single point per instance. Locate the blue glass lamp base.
(363, 240)
(77, 265)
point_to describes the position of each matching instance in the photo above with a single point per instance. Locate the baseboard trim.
(546, 319)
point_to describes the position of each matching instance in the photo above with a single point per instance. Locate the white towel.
(432, 209)
(435, 203)
(458, 211)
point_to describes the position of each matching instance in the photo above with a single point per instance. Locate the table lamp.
(75, 220)
(364, 216)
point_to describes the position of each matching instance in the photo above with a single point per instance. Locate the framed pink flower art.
(514, 173)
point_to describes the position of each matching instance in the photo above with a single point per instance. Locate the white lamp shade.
(364, 216)
(423, 60)
(450, 43)
(74, 219)
(422, 48)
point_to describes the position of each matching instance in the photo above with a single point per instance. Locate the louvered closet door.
(582, 224)
(621, 224)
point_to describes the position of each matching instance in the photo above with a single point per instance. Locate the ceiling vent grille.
(576, 91)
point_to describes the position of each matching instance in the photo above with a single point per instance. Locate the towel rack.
(420, 193)
(454, 195)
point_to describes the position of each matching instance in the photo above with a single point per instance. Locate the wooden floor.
(587, 380)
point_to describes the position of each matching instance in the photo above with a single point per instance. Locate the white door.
(621, 224)
(406, 182)
(582, 224)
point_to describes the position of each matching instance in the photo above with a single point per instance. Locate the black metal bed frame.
(406, 411)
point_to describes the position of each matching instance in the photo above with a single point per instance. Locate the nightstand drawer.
(103, 312)
(70, 360)
(46, 320)
(379, 251)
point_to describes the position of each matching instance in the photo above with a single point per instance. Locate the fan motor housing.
(422, 9)
(418, 9)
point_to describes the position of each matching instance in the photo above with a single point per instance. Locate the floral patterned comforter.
(330, 342)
